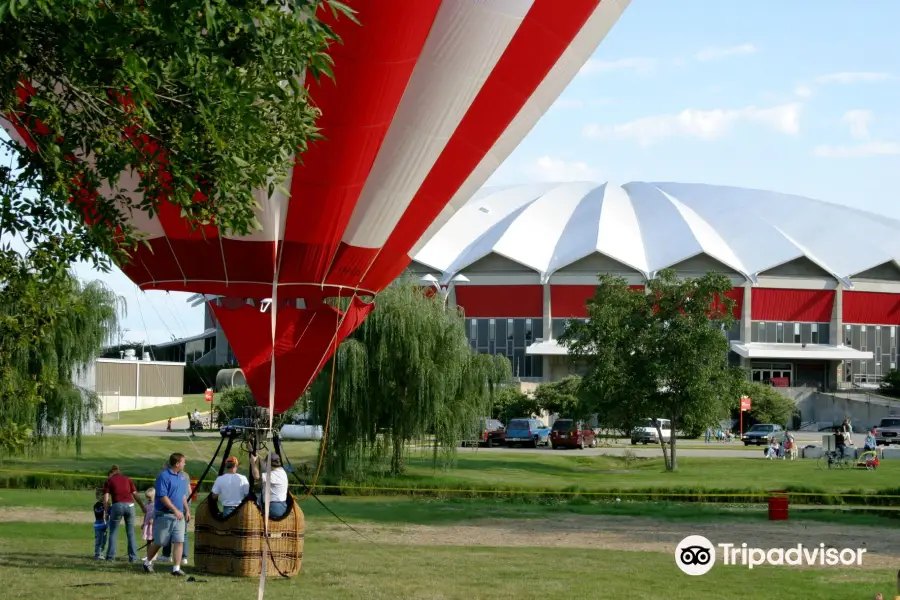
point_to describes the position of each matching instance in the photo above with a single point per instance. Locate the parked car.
(568, 433)
(490, 433)
(527, 432)
(646, 433)
(887, 431)
(760, 433)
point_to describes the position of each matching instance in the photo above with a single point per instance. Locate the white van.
(645, 433)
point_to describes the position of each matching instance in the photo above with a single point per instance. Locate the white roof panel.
(650, 226)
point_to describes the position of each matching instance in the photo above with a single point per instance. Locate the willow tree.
(407, 374)
(38, 397)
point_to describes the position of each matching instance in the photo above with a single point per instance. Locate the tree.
(564, 397)
(767, 405)
(38, 398)
(212, 90)
(658, 353)
(511, 403)
(408, 372)
(890, 383)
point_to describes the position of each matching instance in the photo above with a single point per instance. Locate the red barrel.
(778, 508)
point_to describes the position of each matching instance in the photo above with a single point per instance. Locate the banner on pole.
(745, 403)
(209, 395)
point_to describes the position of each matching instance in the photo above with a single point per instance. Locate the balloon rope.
(267, 482)
(338, 323)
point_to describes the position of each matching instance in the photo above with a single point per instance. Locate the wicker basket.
(233, 545)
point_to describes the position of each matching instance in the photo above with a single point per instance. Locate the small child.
(147, 527)
(100, 526)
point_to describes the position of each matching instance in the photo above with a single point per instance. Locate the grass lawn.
(160, 413)
(427, 511)
(141, 458)
(41, 559)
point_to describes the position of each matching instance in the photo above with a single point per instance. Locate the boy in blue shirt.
(100, 526)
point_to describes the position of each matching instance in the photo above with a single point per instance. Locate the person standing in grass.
(100, 526)
(167, 551)
(119, 496)
(171, 513)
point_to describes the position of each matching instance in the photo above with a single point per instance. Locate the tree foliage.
(203, 100)
(38, 399)
(890, 383)
(511, 403)
(767, 405)
(657, 353)
(565, 397)
(407, 373)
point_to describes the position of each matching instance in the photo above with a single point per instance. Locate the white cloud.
(858, 120)
(635, 63)
(702, 124)
(547, 168)
(864, 150)
(718, 53)
(803, 91)
(853, 77)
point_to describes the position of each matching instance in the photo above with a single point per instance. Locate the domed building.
(816, 285)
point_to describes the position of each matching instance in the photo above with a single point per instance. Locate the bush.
(231, 403)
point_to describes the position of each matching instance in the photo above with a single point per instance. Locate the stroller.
(868, 460)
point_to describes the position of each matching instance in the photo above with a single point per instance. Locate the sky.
(796, 96)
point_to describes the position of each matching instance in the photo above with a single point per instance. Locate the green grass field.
(494, 472)
(160, 413)
(53, 558)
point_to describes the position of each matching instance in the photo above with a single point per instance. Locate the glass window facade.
(509, 337)
(769, 332)
(881, 341)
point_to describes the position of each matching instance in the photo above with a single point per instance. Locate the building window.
(779, 333)
(762, 332)
(815, 333)
(796, 333)
(492, 329)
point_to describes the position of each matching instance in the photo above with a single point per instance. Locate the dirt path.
(882, 545)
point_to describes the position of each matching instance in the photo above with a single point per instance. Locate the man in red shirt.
(119, 496)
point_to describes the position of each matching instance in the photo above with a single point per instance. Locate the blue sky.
(797, 96)
(792, 95)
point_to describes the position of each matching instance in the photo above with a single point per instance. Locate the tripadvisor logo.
(696, 555)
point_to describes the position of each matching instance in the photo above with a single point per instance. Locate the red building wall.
(512, 301)
(871, 308)
(812, 306)
(568, 301)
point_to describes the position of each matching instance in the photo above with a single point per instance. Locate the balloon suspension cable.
(337, 327)
(285, 460)
(266, 481)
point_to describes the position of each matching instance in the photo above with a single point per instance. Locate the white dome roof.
(651, 226)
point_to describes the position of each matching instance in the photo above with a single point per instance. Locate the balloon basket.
(233, 545)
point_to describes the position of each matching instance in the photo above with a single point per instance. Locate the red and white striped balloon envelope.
(429, 97)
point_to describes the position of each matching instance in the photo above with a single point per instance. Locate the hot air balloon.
(429, 98)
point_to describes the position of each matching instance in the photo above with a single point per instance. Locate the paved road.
(688, 448)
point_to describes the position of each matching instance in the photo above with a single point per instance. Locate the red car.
(568, 433)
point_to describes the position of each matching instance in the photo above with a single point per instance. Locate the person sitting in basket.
(278, 485)
(230, 487)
